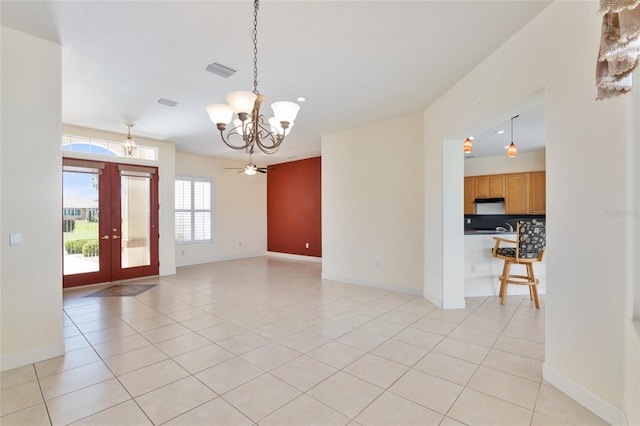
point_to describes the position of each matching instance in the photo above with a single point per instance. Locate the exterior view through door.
(109, 222)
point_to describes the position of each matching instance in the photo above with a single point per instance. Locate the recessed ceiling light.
(301, 99)
(499, 132)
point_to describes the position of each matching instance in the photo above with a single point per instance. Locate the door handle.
(104, 237)
(115, 237)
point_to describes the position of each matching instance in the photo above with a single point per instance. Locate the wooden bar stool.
(529, 247)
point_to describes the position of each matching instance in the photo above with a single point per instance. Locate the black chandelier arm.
(267, 140)
(227, 140)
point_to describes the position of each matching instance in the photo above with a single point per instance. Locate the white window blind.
(193, 211)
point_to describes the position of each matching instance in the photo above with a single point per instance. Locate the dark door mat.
(121, 290)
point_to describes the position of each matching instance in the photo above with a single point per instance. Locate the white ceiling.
(356, 61)
(528, 135)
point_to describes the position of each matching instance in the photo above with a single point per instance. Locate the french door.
(109, 222)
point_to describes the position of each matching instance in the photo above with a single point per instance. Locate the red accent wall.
(294, 208)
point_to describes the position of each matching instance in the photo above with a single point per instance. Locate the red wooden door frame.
(117, 271)
(109, 205)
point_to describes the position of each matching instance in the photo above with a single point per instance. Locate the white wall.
(587, 280)
(240, 211)
(372, 205)
(632, 361)
(525, 162)
(166, 170)
(31, 187)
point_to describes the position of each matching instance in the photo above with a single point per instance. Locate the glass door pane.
(80, 220)
(136, 219)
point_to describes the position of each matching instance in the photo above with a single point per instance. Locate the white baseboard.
(19, 359)
(603, 409)
(295, 256)
(460, 304)
(218, 259)
(381, 286)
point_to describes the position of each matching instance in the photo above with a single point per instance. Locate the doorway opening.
(109, 222)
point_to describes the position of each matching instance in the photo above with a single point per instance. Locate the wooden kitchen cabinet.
(469, 195)
(537, 193)
(516, 193)
(524, 193)
(496, 186)
(481, 185)
(490, 186)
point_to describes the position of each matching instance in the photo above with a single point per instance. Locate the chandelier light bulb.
(285, 111)
(276, 127)
(219, 113)
(241, 101)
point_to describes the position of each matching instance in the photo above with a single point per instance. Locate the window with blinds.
(193, 211)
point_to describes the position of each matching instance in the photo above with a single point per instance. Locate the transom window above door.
(106, 148)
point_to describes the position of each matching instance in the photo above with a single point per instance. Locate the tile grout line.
(344, 296)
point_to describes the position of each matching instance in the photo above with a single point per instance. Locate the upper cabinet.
(481, 184)
(469, 195)
(496, 186)
(537, 192)
(523, 193)
(491, 186)
(516, 198)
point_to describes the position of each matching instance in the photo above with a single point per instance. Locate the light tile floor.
(266, 341)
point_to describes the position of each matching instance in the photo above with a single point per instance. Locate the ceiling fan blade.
(234, 168)
(262, 171)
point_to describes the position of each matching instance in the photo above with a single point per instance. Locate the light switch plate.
(15, 240)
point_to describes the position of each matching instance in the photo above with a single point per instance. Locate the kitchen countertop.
(487, 232)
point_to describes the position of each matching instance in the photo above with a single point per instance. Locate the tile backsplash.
(491, 221)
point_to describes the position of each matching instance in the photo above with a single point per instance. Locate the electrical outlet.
(468, 220)
(306, 245)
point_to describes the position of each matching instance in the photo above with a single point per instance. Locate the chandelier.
(129, 146)
(512, 151)
(249, 128)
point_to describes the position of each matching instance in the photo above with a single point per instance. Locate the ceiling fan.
(249, 168)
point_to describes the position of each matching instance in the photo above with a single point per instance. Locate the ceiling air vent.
(220, 70)
(167, 102)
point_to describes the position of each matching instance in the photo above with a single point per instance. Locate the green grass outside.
(84, 230)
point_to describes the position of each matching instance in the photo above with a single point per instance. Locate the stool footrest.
(522, 280)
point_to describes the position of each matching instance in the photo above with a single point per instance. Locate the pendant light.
(512, 151)
(129, 146)
(468, 145)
